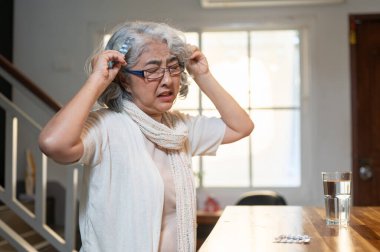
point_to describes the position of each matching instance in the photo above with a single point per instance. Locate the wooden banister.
(28, 84)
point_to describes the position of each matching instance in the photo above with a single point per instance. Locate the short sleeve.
(205, 134)
(93, 139)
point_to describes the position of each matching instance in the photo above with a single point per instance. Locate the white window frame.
(305, 194)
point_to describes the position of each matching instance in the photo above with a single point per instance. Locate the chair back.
(261, 198)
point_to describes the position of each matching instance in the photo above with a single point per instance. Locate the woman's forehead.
(156, 53)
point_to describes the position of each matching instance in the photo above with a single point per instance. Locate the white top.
(124, 204)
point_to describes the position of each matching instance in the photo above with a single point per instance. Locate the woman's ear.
(123, 82)
(127, 87)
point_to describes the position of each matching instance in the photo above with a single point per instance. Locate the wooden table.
(253, 228)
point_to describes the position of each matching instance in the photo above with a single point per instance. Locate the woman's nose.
(167, 78)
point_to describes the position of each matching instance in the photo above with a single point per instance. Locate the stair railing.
(15, 117)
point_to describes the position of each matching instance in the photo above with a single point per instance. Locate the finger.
(191, 49)
(116, 56)
(113, 58)
(196, 57)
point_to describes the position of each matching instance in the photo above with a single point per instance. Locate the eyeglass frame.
(141, 73)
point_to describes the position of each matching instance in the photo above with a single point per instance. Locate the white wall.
(53, 39)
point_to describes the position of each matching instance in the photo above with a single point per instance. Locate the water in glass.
(337, 200)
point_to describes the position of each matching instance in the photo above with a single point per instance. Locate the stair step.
(13, 221)
(22, 228)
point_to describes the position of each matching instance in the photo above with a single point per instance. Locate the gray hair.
(140, 32)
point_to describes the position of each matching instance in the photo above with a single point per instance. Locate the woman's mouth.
(166, 96)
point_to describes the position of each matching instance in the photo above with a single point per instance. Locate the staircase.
(23, 229)
(23, 222)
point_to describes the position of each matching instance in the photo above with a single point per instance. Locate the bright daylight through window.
(261, 69)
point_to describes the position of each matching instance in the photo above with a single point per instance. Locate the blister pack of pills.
(292, 239)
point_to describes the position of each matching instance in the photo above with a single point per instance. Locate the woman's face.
(155, 97)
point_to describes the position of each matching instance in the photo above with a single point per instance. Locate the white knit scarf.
(172, 138)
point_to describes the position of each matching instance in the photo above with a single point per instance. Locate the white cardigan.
(122, 192)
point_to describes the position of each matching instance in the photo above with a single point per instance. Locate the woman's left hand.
(197, 64)
(238, 122)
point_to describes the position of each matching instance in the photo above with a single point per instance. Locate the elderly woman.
(138, 191)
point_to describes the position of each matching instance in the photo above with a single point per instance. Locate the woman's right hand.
(100, 64)
(60, 139)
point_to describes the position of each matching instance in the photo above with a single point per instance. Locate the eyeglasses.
(157, 73)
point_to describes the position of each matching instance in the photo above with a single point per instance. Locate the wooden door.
(365, 91)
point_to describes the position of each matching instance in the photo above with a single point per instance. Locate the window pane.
(192, 38)
(276, 148)
(275, 68)
(230, 167)
(195, 160)
(227, 55)
(192, 99)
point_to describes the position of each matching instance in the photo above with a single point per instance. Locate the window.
(261, 70)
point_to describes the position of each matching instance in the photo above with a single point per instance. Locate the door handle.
(365, 172)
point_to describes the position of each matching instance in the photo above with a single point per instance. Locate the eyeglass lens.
(159, 72)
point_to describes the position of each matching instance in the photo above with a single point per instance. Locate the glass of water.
(337, 193)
